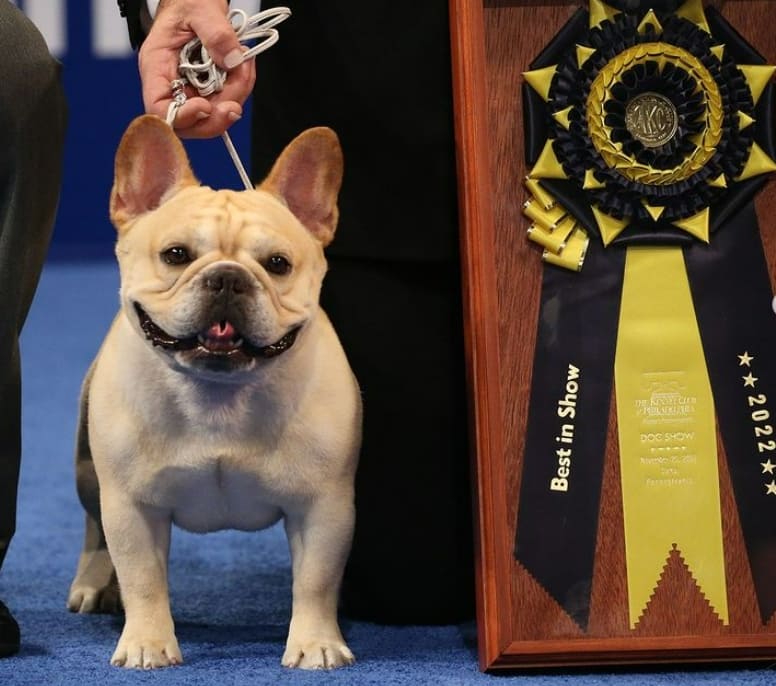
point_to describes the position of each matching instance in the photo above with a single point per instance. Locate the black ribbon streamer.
(577, 330)
(732, 294)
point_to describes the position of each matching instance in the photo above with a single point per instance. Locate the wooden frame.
(517, 627)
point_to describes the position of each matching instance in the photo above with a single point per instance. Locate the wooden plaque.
(519, 624)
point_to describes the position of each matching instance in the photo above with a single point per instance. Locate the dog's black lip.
(160, 337)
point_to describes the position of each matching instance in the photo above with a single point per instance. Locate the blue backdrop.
(103, 92)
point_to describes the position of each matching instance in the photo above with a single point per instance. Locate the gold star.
(749, 380)
(745, 359)
(771, 488)
(768, 466)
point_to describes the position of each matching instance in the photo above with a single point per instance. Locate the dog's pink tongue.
(220, 336)
(221, 331)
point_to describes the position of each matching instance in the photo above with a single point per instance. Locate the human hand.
(175, 24)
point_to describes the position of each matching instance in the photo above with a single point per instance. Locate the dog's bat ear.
(151, 164)
(308, 175)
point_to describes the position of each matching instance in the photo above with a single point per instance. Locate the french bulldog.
(221, 396)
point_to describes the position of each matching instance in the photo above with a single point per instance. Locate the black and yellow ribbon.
(647, 133)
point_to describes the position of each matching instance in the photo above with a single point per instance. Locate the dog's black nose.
(227, 281)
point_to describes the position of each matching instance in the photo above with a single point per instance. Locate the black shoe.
(9, 632)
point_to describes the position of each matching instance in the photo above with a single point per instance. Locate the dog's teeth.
(238, 343)
(201, 338)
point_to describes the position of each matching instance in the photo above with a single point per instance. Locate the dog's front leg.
(139, 542)
(319, 536)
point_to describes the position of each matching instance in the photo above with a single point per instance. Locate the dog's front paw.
(143, 652)
(317, 655)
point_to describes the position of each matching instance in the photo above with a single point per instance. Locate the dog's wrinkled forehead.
(223, 222)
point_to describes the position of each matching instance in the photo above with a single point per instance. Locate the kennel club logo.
(648, 135)
(651, 119)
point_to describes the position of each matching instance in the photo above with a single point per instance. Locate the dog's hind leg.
(95, 587)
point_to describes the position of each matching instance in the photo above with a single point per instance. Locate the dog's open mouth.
(219, 340)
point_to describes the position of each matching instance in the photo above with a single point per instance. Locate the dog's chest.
(207, 491)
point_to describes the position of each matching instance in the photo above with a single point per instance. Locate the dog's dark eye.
(176, 255)
(277, 264)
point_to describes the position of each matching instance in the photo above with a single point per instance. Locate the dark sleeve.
(379, 74)
(131, 10)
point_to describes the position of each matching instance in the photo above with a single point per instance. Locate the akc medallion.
(651, 119)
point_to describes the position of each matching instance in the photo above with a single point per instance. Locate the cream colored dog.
(221, 397)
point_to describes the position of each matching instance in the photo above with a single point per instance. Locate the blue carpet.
(230, 591)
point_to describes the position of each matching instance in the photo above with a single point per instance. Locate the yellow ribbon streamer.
(563, 239)
(668, 446)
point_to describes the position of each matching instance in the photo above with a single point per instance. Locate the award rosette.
(649, 130)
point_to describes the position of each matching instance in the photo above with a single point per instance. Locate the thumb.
(218, 36)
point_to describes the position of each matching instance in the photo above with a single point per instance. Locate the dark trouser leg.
(400, 325)
(32, 124)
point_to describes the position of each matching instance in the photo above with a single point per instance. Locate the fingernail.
(233, 58)
(202, 115)
(234, 116)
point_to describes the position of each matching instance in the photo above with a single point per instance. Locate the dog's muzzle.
(219, 340)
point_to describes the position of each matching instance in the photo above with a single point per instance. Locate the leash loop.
(197, 68)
